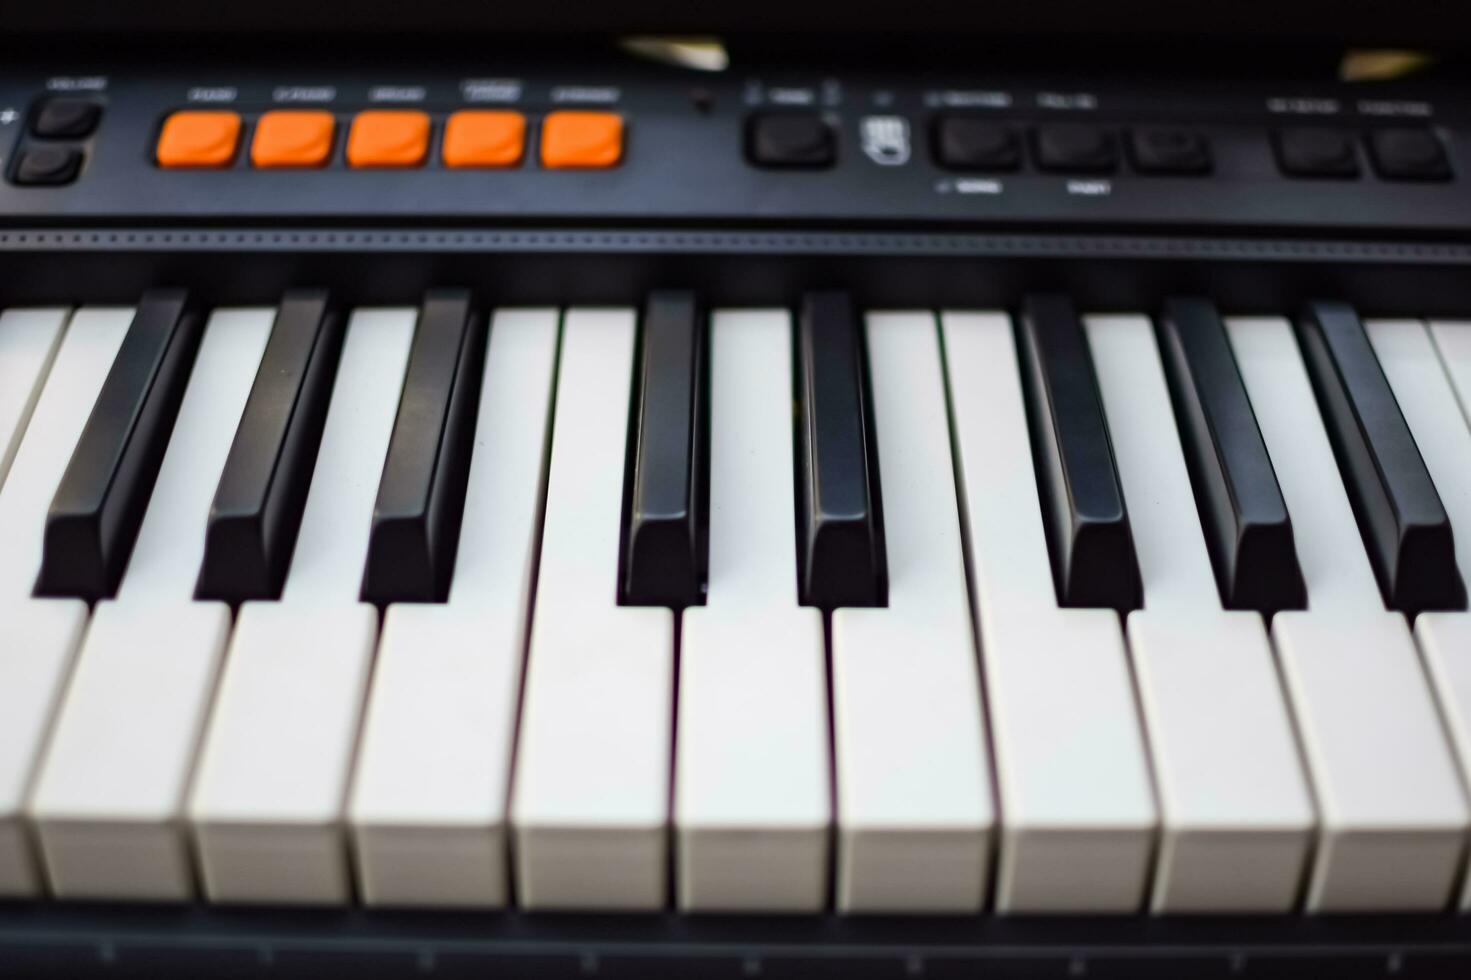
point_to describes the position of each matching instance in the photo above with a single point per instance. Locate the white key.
(428, 806)
(28, 342)
(914, 780)
(1423, 371)
(591, 796)
(1235, 816)
(752, 778)
(268, 799)
(39, 636)
(1076, 805)
(108, 805)
(1391, 810)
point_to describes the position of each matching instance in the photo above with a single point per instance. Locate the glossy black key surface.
(839, 531)
(421, 497)
(257, 507)
(1404, 526)
(666, 527)
(1088, 534)
(1245, 519)
(94, 516)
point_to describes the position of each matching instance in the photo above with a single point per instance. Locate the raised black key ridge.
(666, 526)
(257, 508)
(1092, 549)
(1405, 528)
(1247, 527)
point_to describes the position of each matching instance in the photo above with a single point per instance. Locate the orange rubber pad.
(484, 138)
(388, 138)
(572, 138)
(293, 138)
(199, 138)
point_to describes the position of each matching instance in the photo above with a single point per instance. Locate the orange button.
(581, 139)
(293, 138)
(202, 138)
(388, 138)
(484, 138)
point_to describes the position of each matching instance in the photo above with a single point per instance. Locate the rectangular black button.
(790, 139)
(666, 529)
(421, 497)
(1088, 533)
(257, 507)
(839, 531)
(94, 516)
(1247, 527)
(1080, 148)
(1404, 525)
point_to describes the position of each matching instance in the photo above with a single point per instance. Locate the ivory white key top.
(268, 798)
(1235, 815)
(108, 805)
(39, 636)
(1392, 813)
(914, 778)
(752, 778)
(1429, 370)
(428, 805)
(590, 802)
(1076, 807)
(28, 342)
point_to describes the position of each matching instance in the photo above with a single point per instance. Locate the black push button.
(65, 119)
(1074, 148)
(94, 517)
(839, 533)
(790, 139)
(665, 529)
(48, 165)
(1247, 528)
(258, 505)
(1409, 153)
(421, 496)
(1316, 151)
(1169, 150)
(1404, 525)
(968, 143)
(1087, 526)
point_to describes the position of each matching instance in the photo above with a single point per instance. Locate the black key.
(421, 497)
(1405, 528)
(94, 516)
(790, 139)
(257, 507)
(971, 143)
(1088, 533)
(47, 165)
(839, 532)
(666, 529)
(1316, 151)
(1247, 527)
(1074, 148)
(65, 118)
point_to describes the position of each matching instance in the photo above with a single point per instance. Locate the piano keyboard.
(756, 610)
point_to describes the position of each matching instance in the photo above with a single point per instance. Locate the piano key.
(667, 533)
(752, 784)
(28, 342)
(1087, 526)
(915, 816)
(267, 801)
(108, 804)
(257, 508)
(1392, 814)
(1241, 507)
(429, 798)
(1425, 364)
(1404, 525)
(839, 532)
(591, 786)
(39, 636)
(422, 493)
(94, 516)
(1236, 819)
(1076, 806)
